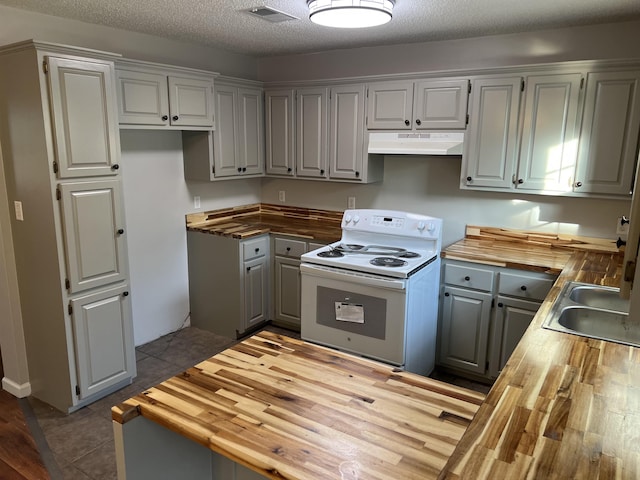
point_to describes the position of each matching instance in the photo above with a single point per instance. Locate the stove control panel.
(391, 222)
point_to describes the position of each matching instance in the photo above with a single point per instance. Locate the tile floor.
(81, 445)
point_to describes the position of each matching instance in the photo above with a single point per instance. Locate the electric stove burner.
(408, 255)
(387, 262)
(349, 247)
(331, 254)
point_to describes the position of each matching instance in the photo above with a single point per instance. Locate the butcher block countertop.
(564, 406)
(261, 218)
(288, 409)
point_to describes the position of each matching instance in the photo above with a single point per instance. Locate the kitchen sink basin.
(600, 324)
(593, 311)
(599, 297)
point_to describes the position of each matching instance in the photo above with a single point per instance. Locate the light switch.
(18, 207)
(196, 201)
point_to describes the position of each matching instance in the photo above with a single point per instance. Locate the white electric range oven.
(375, 292)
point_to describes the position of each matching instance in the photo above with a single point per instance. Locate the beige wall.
(608, 41)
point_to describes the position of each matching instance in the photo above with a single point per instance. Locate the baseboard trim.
(17, 390)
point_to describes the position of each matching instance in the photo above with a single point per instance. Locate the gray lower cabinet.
(465, 329)
(228, 282)
(484, 312)
(103, 339)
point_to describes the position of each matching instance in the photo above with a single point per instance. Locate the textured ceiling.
(227, 25)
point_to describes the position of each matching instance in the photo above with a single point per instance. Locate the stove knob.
(431, 228)
(421, 226)
(356, 219)
(347, 219)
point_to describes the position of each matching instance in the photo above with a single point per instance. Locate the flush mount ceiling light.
(350, 13)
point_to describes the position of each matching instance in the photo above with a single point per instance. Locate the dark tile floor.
(81, 445)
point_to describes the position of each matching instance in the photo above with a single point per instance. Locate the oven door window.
(351, 312)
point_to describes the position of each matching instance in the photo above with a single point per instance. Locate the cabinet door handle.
(289, 170)
(288, 249)
(115, 166)
(523, 288)
(321, 172)
(165, 117)
(357, 174)
(467, 278)
(239, 169)
(244, 169)
(418, 121)
(248, 269)
(500, 304)
(257, 250)
(578, 184)
(520, 181)
(125, 294)
(175, 117)
(407, 123)
(446, 294)
(120, 231)
(469, 179)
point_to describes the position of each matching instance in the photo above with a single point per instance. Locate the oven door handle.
(353, 277)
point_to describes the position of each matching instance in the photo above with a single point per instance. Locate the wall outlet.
(351, 202)
(18, 208)
(196, 201)
(622, 228)
(281, 195)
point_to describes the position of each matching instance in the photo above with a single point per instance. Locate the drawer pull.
(467, 278)
(257, 249)
(500, 305)
(288, 249)
(523, 288)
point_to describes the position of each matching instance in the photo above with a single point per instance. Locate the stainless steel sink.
(593, 311)
(599, 297)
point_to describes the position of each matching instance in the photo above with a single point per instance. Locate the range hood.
(414, 143)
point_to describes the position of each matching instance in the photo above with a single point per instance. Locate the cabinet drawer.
(255, 248)
(468, 277)
(289, 248)
(525, 286)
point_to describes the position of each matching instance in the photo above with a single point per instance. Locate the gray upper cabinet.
(491, 145)
(609, 134)
(236, 147)
(279, 132)
(151, 96)
(550, 133)
(312, 144)
(346, 136)
(94, 233)
(441, 104)
(420, 105)
(82, 97)
(390, 106)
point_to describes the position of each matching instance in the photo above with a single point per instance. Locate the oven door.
(357, 313)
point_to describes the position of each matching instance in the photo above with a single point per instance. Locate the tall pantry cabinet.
(60, 144)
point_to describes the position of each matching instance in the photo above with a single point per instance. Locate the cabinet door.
(465, 329)
(103, 338)
(225, 142)
(390, 106)
(191, 102)
(440, 104)
(250, 131)
(512, 318)
(256, 278)
(492, 136)
(93, 225)
(550, 134)
(609, 136)
(83, 109)
(312, 106)
(346, 136)
(143, 98)
(279, 137)
(287, 290)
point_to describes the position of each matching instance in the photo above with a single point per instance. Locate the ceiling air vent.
(270, 14)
